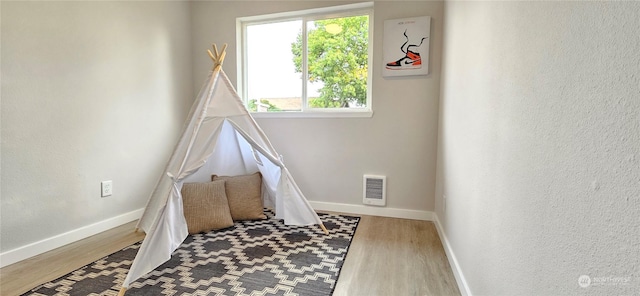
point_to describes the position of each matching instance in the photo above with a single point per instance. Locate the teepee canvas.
(220, 137)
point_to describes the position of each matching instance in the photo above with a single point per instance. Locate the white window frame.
(305, 16)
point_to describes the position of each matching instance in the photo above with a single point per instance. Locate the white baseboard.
(45, 245)
(453, 261)
(372, 210)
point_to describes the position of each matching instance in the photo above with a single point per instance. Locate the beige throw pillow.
(245, 196)
(205, 206)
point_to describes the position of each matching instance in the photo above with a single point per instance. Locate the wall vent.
(374, 190)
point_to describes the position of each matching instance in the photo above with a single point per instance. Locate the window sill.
(324, 114)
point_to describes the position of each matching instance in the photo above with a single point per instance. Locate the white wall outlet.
(107, 188)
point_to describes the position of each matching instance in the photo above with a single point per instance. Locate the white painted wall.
(91, 91)
(328, 157)
(539, 146)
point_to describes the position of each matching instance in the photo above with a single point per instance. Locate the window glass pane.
(338, 62)
(273, 83)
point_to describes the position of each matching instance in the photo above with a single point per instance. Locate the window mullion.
(305, 70)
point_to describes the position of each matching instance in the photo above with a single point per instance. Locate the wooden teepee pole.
(216, 56)
(324, 229)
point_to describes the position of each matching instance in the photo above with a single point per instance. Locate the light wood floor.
(388, 256)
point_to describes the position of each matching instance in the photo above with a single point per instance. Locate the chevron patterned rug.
(262, 257)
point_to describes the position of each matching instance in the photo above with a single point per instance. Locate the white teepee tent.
(220, 137)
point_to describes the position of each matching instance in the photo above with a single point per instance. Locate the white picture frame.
(406, 46)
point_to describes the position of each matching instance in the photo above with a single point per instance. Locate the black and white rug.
(262, 257)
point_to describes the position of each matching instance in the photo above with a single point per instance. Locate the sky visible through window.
(270, 69)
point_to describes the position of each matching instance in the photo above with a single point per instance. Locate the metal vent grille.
(374, 190)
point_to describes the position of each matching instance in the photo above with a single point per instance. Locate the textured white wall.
(539, 146)
(328, 157)
(91, 91)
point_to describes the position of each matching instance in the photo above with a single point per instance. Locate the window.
(307, 63)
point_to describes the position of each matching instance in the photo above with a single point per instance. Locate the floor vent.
(374, 189)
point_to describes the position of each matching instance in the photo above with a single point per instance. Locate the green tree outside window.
(338, 60)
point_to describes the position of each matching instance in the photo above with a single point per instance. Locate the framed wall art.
(406, 46)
